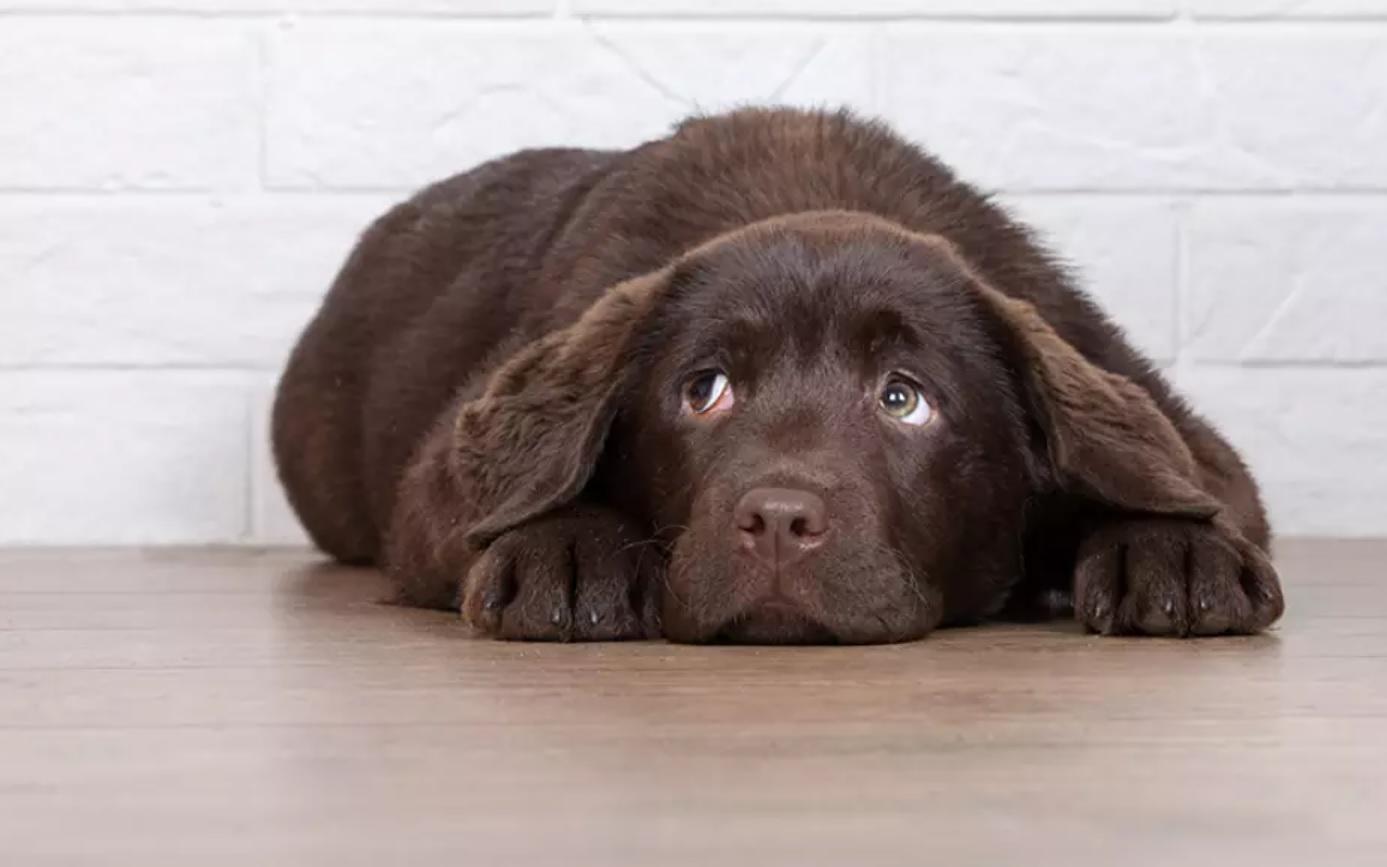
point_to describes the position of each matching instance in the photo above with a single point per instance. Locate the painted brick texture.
(180, 179)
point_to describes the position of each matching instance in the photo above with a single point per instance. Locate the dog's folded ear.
(1105, 438)
(530, 443)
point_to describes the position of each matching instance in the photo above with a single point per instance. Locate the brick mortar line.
(1364, 195)
(1057, 21)
(249, 531)
(252, 377)
(242, 15)
(1179, 291)
(263, 66)
(19, 194)
(248, 376)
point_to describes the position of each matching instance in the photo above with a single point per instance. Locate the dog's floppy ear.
(1105, 437)
(531, 441)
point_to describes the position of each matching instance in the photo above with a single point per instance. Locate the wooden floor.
(197, 708)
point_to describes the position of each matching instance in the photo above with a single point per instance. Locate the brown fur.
(488, 404)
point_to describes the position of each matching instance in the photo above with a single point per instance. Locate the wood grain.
(229, 707)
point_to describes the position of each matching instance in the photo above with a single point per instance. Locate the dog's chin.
(874, 603)
(774, 623)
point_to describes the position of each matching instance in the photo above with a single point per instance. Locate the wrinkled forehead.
(794, 295)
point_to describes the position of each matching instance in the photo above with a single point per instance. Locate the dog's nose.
(780, 525)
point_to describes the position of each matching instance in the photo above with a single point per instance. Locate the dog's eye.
(901, 399)
(708, 391)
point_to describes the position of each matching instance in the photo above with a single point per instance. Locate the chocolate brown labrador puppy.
(779, 377)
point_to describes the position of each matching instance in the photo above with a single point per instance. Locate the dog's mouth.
(774, 620)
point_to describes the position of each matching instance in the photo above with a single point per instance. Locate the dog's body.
(478, 406)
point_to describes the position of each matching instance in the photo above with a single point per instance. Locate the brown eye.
(901, 399)
(708, 391)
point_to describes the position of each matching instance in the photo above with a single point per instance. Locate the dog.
(779, 377)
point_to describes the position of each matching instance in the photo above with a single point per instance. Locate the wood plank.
(228, 707)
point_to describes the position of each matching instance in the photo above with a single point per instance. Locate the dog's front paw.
(1171, 577)
(580, 574)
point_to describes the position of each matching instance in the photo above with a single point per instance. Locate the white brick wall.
(180, 178)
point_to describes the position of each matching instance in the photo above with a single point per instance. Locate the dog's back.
(432, 289)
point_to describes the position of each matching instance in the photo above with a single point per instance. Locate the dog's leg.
(582, 572)
(1167, 576)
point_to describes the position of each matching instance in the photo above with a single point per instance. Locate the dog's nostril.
(799, 527)
(753, 524)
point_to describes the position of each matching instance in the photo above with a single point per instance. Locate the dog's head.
(833, 423)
